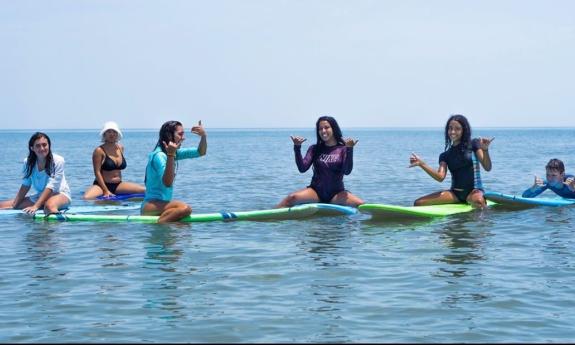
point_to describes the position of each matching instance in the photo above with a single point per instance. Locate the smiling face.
(325, 131)
(455, 131)
(179, 134)
(41, 148)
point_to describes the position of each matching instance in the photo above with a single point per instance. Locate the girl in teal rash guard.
(161, 171)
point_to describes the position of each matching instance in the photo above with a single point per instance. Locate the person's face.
(454, 131)
(41, 148)
(111, 136)
(179, 135)
(554, 177)
(325, 131)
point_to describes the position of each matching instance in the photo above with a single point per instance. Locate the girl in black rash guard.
(331, 158)
(458, 158)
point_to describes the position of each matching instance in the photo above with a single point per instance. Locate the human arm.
(570, 183)
(539, 186)
(20, 195)
(303, 164)
(483, 153)
(203, 145)
(98, 157)
(348, 159)
(41, 200)
(170, 164)
(438, 175)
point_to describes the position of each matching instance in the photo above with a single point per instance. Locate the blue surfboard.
(519, 201)
(79, 209)
(333, 209)
(120, 197)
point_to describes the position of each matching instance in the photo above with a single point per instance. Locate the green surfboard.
(295, 212)
(385, 211)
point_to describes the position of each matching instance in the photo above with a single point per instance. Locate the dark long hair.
(167, 134)
(32, 159)
(465, 136)
(336, 133)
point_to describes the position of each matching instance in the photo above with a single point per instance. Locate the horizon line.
(285, 128)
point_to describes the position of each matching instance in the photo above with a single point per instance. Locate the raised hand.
(485, 142)
(199, 129)
(297, 141)
(570, 183)
(538, 182)
(350, 142)
(414, 160)
(171, 147)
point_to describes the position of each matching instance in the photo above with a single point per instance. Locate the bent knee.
(51, 206)
(419, 202)
(188, 210)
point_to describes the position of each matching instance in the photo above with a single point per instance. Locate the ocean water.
(492, 276)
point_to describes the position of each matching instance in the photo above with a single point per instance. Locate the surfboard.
(333, 209)
(295, 212)
(120, 197)
(387, 211)
(79, 209)
(519, 201)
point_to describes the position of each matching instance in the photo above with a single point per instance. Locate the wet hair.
(555, 164)
(336, 134)
(167, 133)
(465, 135)
(32, 158)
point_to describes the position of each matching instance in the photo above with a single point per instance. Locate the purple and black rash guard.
(328, 168)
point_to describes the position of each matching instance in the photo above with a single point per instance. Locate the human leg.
(56, 202)
(437, 198)
(130, 188)
(347, 199)
(171, 211)
(93, 192)
(476, 199)
(300, 197)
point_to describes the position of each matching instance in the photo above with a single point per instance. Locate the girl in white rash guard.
(44, 172)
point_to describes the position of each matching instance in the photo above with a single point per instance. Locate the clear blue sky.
(273, 63)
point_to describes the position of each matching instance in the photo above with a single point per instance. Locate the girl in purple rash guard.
(331, 158)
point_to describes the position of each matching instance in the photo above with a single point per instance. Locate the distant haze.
(272, 63)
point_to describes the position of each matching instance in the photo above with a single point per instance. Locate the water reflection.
(44, 248)
(327, 248)
(163, 288)
(463, 237)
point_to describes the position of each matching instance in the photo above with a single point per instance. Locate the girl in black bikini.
(108, 162)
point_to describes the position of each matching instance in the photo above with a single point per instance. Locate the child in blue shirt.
(557, 181)
(161, 171)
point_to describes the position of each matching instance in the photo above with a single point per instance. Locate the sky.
(74, 64)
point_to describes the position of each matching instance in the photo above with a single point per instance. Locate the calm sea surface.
(497, 276)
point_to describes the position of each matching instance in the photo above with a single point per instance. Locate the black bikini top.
(110, 165)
